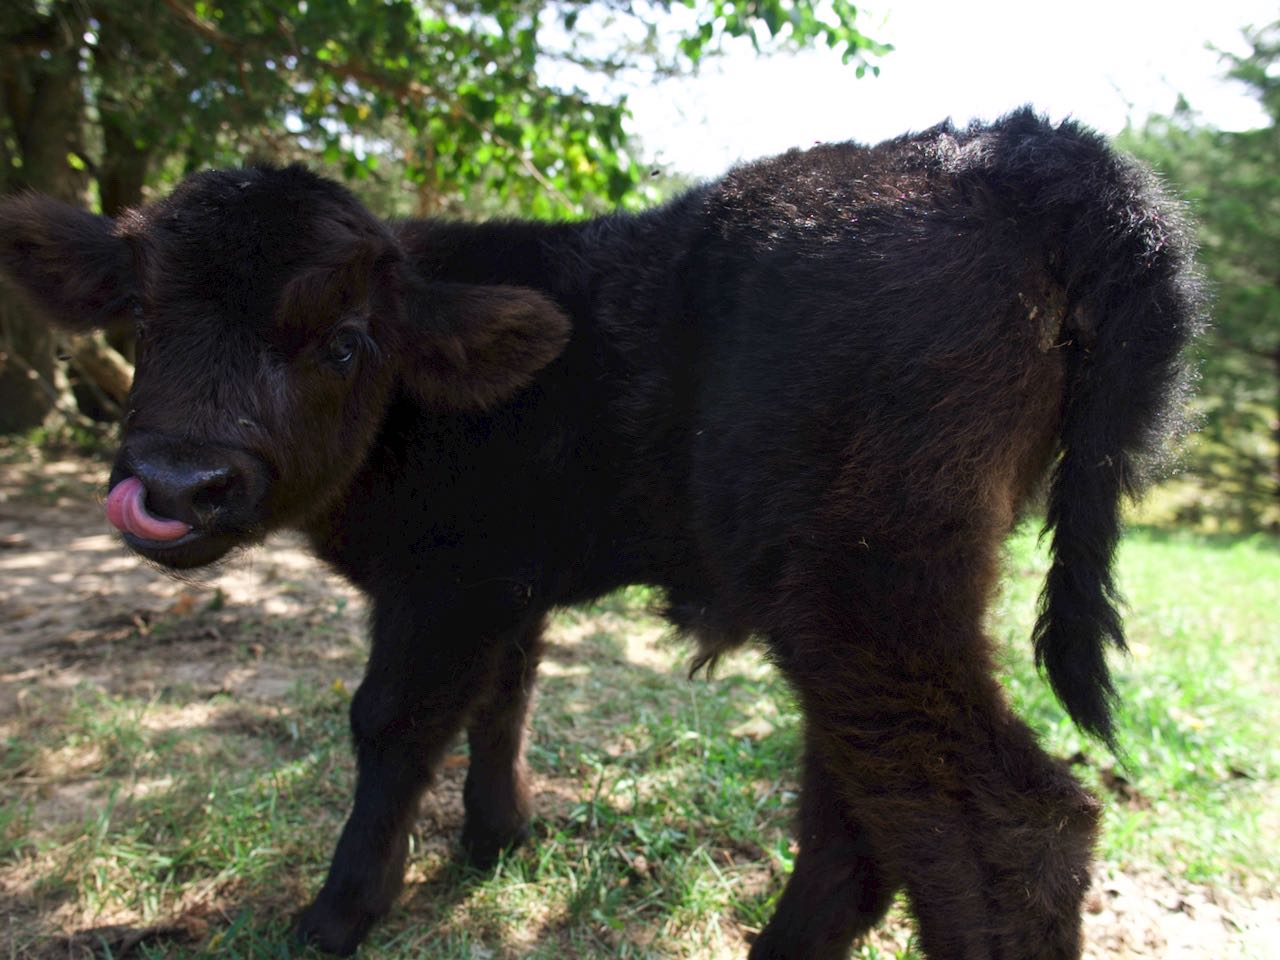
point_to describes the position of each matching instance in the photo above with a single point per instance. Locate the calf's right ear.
(72, 266)
(473, 345)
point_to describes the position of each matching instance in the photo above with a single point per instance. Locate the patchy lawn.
(175, 767)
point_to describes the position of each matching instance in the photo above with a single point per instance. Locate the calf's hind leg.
(496, 794)
(839, 888)
(990, 836)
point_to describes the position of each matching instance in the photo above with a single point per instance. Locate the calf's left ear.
(72, 266)
(471, 346)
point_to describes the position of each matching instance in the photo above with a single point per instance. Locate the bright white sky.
(1100, 62)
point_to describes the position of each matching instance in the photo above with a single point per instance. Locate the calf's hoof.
(332, 928)
(766, 946)
(777, 943)
(483, 846)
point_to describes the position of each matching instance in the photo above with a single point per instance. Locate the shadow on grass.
(218, 806)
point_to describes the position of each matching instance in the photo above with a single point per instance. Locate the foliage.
(476, 104)
(460, 95)
(1232, 180)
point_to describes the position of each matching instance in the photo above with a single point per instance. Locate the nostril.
(213, 492)
(194, 495)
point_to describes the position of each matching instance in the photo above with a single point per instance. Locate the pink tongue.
(127, 512)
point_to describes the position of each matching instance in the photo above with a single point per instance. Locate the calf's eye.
(343, 346)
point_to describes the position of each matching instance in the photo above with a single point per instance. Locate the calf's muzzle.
(182, 502)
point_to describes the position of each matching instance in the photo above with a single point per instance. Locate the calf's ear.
(71, 265)
(471, 346)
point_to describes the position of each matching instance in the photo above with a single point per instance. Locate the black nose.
(193, 494)
(206, 486)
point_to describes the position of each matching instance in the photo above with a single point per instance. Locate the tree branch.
(203, 27)
(56, 399)
(102, 365)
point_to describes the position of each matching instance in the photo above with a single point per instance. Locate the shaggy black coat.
(807, 400)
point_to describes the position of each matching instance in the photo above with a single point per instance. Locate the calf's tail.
(1122, 252)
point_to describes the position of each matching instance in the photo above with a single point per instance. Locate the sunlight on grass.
(663, 827)
(1198, 703)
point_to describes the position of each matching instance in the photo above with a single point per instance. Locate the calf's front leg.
(496, 794)
(425, 673)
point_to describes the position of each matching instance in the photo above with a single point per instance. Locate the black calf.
(807, 400)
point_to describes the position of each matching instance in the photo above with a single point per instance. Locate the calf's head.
(276, 321)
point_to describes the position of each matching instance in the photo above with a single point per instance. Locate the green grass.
(1199, 711)
(665, 803)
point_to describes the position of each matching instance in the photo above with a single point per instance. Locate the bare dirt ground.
(74, 604)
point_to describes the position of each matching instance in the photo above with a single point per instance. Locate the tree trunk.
(44, 101)
(123, 171)
(1275, 427)
(26, 370)
(126, 155)
(121, 176)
